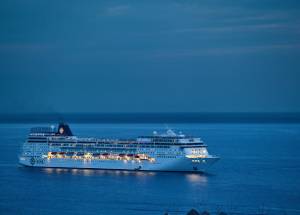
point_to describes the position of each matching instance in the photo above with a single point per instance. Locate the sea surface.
(259, 173)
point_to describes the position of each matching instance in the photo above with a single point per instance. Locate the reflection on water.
(197, 178)
(191, 178)
(94, 172)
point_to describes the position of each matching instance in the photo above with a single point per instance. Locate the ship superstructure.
(51, 147)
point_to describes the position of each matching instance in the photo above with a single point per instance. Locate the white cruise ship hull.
(163, 164)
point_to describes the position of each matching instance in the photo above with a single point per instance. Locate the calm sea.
(259, 172)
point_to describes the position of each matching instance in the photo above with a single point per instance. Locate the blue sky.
(149, 56)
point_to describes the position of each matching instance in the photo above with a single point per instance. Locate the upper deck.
(63, 136)
(170, 137)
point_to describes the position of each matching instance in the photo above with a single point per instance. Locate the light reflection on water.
(191, 178)
(94, 172)
(196, 178)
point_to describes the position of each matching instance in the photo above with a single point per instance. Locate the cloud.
(227, 50)
(117, 10)
(235, 17)
(258, 17)
(233, 28)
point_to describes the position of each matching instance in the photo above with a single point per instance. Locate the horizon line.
(154, 117)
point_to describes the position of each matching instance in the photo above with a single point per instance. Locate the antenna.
(167, 127)
(170, 131)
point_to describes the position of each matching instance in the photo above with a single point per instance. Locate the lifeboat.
(136, 156)
(96, 154)
(129, 155)
(80, 154)
(105, 154)
(122, 155)
(61, 153)
(53, 153)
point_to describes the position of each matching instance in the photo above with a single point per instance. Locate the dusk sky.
(149, 56)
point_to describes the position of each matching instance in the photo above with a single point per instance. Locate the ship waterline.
(59, 148)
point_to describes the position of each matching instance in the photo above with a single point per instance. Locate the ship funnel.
(64, 130)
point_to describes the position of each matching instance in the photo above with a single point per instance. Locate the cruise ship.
(57, 147)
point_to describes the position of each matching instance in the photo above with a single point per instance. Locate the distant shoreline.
(152, 118)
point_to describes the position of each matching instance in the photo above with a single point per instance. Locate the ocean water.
(259, 173)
